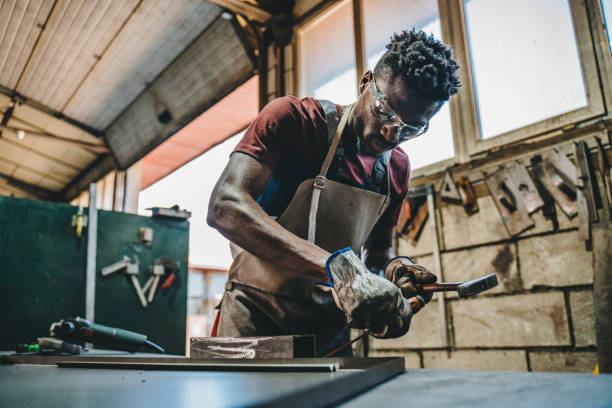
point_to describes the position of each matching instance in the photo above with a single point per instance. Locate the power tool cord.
(155, 347)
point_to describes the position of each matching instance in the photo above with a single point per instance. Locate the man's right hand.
(409, 277)
(369, 302)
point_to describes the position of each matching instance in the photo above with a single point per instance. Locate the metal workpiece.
(187, 382)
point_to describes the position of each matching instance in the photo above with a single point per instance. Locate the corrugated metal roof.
(207, 71)
(104, 65)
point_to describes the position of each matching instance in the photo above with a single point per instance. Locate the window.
(327, 57)
(525, 62)
(606, 6)
(190, 187)
(527, 68)
(381, 20)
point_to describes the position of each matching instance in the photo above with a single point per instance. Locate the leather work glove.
(369, 302)
(408, 276)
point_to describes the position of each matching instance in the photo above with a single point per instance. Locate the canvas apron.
(262, 298)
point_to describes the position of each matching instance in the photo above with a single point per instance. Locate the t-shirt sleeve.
(275, 131)
(400, 175)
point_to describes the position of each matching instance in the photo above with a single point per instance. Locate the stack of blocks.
(539, 318)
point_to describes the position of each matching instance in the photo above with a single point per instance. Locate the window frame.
(463, 106)
(595, 103)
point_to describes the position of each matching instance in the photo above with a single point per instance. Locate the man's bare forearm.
(236, 215)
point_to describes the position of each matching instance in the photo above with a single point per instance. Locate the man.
(310, 178)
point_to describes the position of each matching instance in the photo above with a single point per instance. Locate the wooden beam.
(36, 191)
(246, 9)
(50, 111)
(92, 147)
(360, 65)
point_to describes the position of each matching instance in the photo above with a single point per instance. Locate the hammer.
(464, 289)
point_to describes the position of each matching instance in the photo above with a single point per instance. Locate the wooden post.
(602, 293)
(359, 42)
(438, 267)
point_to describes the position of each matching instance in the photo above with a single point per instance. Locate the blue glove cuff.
(329, 275)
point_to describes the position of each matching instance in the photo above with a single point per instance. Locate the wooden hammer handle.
(441, 286)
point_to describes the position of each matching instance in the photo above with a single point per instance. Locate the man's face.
(373, 137)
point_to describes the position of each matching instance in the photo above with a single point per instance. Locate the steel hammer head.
(476, 286)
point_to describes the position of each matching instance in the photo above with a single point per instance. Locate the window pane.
(606, 5)
(525, 62)
(381, 20)
(327, 57)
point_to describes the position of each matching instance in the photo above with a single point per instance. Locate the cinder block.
(555, 260)
(577, 362)
(424, 332)
(426, 261)
(411, 358)
(470, 264)
(462, 230)
(583, 318)
(537, 319)
(476, 359)
(542, 224)
(423, 246)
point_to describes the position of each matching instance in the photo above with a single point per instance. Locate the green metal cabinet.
(42, 272)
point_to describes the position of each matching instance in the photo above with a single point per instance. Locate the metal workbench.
(175, 382)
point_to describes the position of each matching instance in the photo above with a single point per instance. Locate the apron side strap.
(334, 144)
(387, 161)
(320, 180)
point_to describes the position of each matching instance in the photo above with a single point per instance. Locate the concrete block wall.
(540, 318)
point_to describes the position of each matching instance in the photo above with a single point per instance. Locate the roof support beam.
(92, 147)
(98, 169)
(246, 9)
(19, 98)
(36, 191)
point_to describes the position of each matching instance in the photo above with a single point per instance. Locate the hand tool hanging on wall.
(79, 221)
(131, 270)
(78, 331)
(520, 177)
(468, 197)
(560, 184)
(605, 172)
(418, 221)
(460, 192)
(588, 182)
(509, 202)
(156, 271)
(448, 190)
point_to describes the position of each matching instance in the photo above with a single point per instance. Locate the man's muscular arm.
(233, 211)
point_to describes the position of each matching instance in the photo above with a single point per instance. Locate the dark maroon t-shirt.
(290, 137)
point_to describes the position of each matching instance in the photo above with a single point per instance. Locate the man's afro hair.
(426, 64)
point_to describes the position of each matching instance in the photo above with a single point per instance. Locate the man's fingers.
(424, 276)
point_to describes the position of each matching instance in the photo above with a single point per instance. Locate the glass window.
(524, 60)
(327, 57)
(190, 187)
(606, 6)
(381, 20)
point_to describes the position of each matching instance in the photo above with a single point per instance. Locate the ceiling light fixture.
(20, 134)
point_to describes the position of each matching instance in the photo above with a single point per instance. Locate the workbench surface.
(499, 389)
(34, 386)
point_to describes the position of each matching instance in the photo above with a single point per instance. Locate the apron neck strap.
(334, 144)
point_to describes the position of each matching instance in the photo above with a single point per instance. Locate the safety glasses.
(388, 117)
